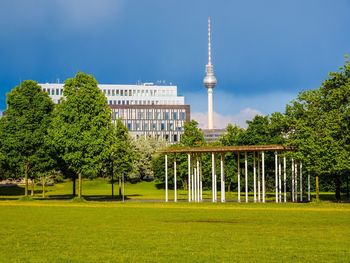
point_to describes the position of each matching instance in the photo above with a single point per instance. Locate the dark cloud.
(259, 47)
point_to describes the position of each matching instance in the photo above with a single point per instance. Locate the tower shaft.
(210, 109)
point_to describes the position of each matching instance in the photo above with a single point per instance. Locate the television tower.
(210, 82)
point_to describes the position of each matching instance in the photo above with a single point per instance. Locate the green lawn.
(100, 189)
(101, 230)
(64, 231)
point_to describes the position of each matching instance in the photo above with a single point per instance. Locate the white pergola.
(195, 176)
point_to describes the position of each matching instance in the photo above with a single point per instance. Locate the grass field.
(100, 190)
(59, 230)
(62, 231)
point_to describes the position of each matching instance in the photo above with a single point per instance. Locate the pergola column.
(200, 181)
(213, 177)
(301, 181)
(296, 181)
(189, 177)
(263, 175)
(195, 184)
(254, 177)
(280, 179)
(246, 176)
(284, 179)
(276, 177)
(238, 178)
(175, 181)
(293, 180)
(259, 186)
(222, 178)
(166, 178)
(192, 182)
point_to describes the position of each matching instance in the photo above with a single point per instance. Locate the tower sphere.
(209, 81)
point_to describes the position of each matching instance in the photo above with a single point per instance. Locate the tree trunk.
(26, 179)
(43, 182)
(337, 188)
(33, 185)
(79, 185)
(74, 184)
(120, 187)
(317, 190)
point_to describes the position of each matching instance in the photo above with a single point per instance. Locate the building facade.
(145, 109)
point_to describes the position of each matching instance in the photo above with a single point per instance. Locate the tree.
(121, 154)
(192, 136)
(145, 148)
(320, 127)
(81, 127)
(23, 131)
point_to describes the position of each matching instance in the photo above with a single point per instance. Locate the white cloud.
(221, 121)
(230, 104)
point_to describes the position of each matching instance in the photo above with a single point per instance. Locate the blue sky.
(264, 52)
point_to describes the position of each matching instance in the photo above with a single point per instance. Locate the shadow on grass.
(10, 190)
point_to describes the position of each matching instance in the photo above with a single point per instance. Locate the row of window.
(152, 126)
(167, 137)
(143, 102)
(142, 93)
(54, 91)
(150, 114)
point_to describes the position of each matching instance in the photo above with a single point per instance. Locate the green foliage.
(81, 127)
(121, 154)
(145, 148)
(192, 136)
(232, 135)
(319, 125)
(24, 130)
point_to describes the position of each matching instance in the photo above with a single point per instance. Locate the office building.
(146, 109)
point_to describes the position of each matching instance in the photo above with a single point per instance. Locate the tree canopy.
(81, 127)
(23, 130)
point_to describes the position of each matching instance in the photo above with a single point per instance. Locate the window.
(113, 92)
(183, 115)
(154, 126)
(175, 137)
(121, 93)
(104, 91)
(109, 92)
(129, 126)
(175, 115)
(166, 115)
(48, 91)
(162, 126)
(117, 92)
(61, 91)
(126, 93)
